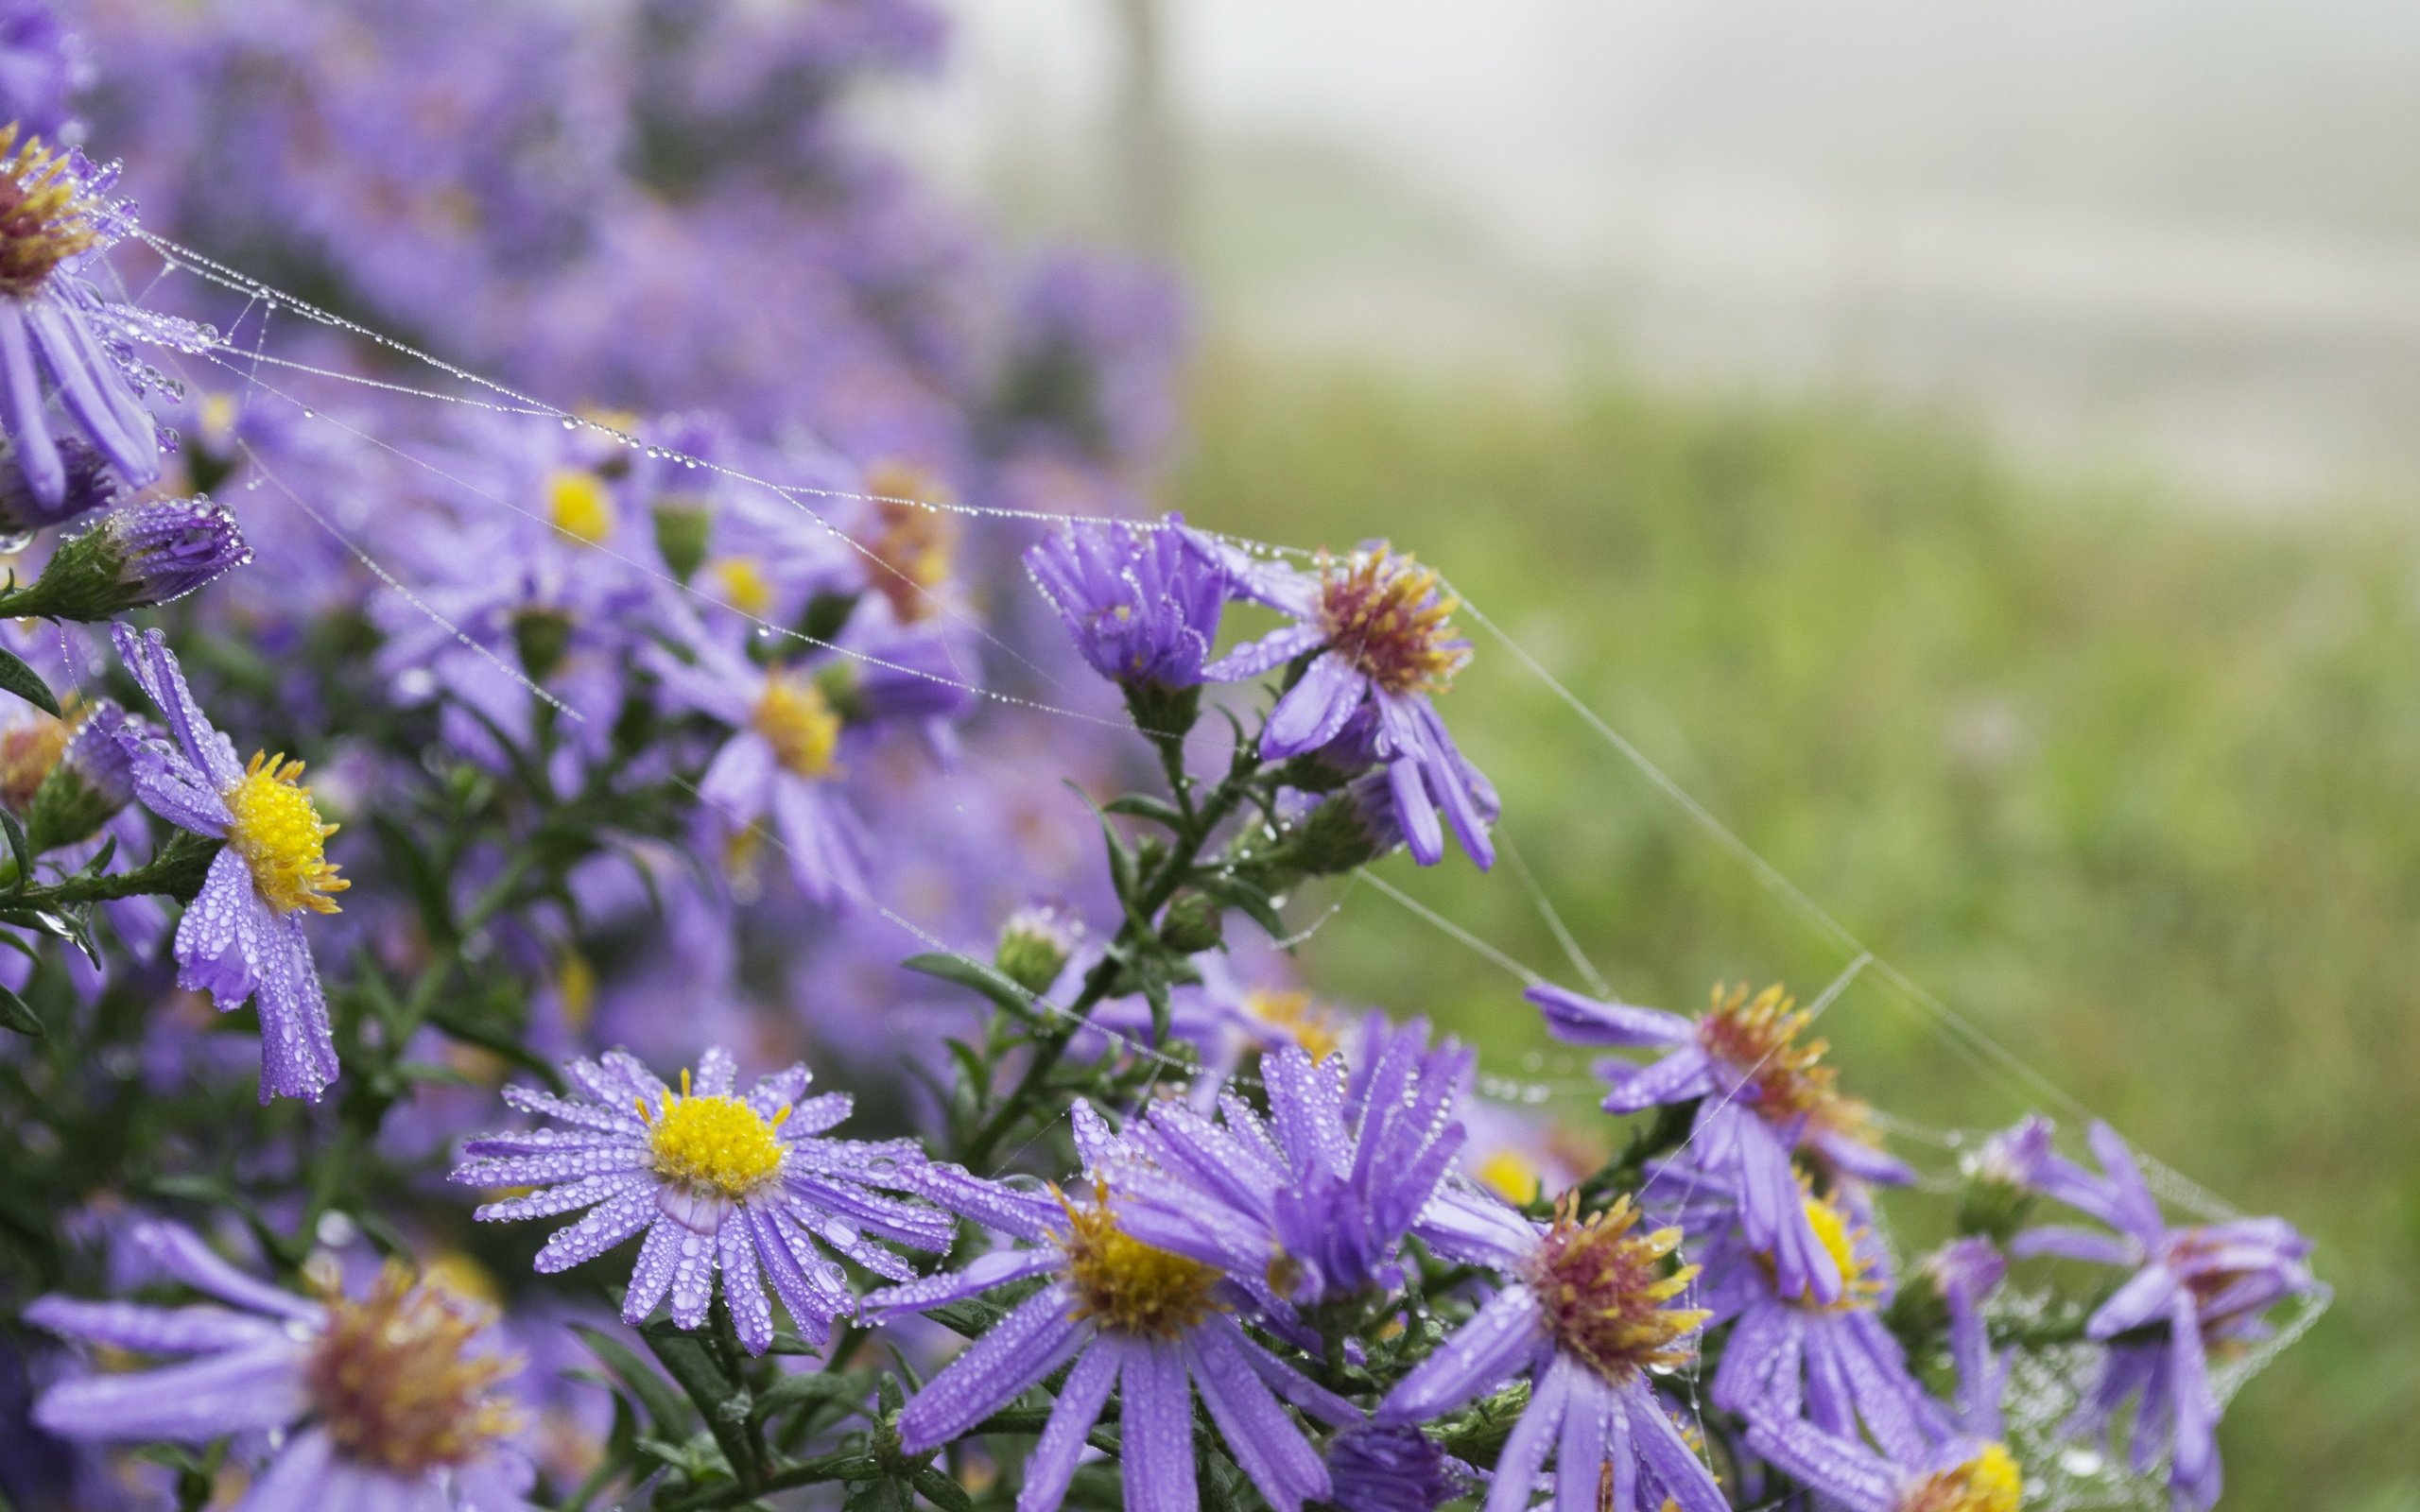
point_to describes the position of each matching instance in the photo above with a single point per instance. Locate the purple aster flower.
(1966, 1475)
(1313, 1202)
(1125, 1313)
(385, 1402)
(780, 762)
(1380, 1466)
(1835, 1364)
(242, 935)
(1585, 1312)
(1094, 343)
(1965, 1272)
(91, 781)
(1378, 629)
(1760, 1094)
(91, 484)
(1141, 604)
(2193, 1289)
(53, 215)
(743, 1184)
(138, 556)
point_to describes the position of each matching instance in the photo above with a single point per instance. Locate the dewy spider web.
(2041, 1393)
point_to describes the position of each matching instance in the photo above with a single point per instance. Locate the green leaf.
(653, 1392)
(21, 679)
(1144, 806)
(19, 851)
(813, 1387)
(17, 1018)
(974, 976)
(885, 1495)
(1236, 893)
(691, 1361)
(941, 1491)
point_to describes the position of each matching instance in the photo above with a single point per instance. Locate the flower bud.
(541, 636)
(137, 557)
(2000, 1181)
(1195, 921)
(1340, 835)
(1035, 945)
(682, 526)
(92, 780)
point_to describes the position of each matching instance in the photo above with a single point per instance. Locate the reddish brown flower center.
(911, 541)
(1606, 1290)
(1391, 619)
(394, 1383)
(1758, 1040)
(43, 220)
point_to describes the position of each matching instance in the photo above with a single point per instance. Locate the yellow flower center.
(578, 505)
(43, 220)
(720, 1143)
(27, 752)
(276, 829)
(1834, 1232)
(1605, 1291)
(1511, 1176)
(796, 720)
(911, 539)
(1130, 1285)
(744, 585)
(1391, 619)
(1987, 1483)
(393, 1385)
(1296, 1017)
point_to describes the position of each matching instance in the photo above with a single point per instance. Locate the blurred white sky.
(2181, 233)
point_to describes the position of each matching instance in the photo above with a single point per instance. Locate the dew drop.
(14, 542)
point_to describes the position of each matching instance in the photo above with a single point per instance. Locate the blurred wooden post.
(1144, 152)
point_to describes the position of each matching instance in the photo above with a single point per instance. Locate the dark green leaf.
(653, 1392)
(21, 679)
(941, 1491)
(1144, 806)
(974, 976)
(16, 1017)
(690, 1360)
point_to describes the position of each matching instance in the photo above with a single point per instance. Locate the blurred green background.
(2127, 781)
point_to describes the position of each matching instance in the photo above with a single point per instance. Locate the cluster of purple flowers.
(650, 733)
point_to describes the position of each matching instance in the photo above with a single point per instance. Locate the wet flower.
(1761, 1093)
(1128, 1314)
(1141, 604)
(1377, 628)
(908, 543)
(42, 66)
(91, 779)
(242, 935)
(2195, 1290)
(54, 212)
(1586, 1312)
(781, 763)
(389, 1399)
(90, 483)
(1968, 1475)
(743, 1184)
(1379, 1467)
(1312, 1202)
(138, 556)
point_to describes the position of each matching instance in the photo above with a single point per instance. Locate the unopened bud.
(1035, 945)
(136, 557)
(1195, 921)
(92, 780)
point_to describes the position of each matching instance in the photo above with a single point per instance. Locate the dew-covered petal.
(1596, 1436)
(256, 1389)
(298, 1479)
(1156, 1428)
(1072, 1417)
(159, 1331)
(1525, 1452)
(606, 1225)
(1265, 1442)
(743, 1288)
(585, 1192)
(1032, 1341)
(1474, 1360)
(996, 1268)
(1586, 1020)
(181, 1252)
(1314, 710)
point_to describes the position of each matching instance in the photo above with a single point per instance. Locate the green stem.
(806, 1472)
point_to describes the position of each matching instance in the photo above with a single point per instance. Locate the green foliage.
(2129, 785)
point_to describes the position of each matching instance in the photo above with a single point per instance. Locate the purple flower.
(1966, 1475)
(781, 763)
(1760, 1094)
(138, 556)
(1379, 1467)
(53, 215)
(91, 483)
(1313, 1202)
(1378, 629)
(1834, 1364)
(2192, 1288)
(742, 1184)
(91, 780)
(1141, 604)
(1120, 1310)
(242, 935)
(385, 1402)
(1585, 1312)
(1966, 1271)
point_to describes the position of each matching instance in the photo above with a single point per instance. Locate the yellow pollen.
(1296, 1017)
(276, 829)
(720, 1143)
(392, 1382)
(1987, 1483)
(796, 720)
(1606, 1290)
(1759, 1038)
(27, 752)
(1391, 619)
(1130, 1285)
(912, 543)
(578, 505)
(1834, 1232)
(44, 221)
(743, 584)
